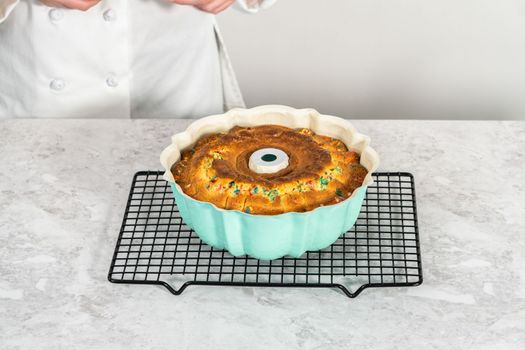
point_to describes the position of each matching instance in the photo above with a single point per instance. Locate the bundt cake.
(269, 169)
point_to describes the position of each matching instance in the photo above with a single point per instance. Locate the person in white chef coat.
(115, 58)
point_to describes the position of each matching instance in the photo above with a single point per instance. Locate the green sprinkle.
(231, 184)
(255, 190)
(339, 192)
(247, 210)
(271, 194)
(323, 182)
(338, 170)
(214, 178)
(236, 191)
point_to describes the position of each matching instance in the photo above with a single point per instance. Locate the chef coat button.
(57, 84)
(56, 14)
(109, 15)
(112, 81)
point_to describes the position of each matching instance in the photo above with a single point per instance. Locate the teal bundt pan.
(269, 237)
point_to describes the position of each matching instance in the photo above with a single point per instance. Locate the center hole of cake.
(269, 157)
(268, 160)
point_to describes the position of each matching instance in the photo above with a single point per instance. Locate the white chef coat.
(120, 59)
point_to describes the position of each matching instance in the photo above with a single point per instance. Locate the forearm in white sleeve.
(253, 6)
(6, 6)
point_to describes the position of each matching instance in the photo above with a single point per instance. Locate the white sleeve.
(6, 6)
(253, 6)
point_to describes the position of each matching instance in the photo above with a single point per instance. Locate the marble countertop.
(63, 185)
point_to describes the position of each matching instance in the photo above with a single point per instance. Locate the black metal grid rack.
(382, 249)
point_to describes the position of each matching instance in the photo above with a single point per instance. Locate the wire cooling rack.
(382, 249)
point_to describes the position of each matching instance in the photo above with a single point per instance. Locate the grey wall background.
(439, 59)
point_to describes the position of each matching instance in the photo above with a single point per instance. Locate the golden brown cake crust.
(321, 170)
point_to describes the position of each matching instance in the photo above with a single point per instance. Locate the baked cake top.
(318, 170)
